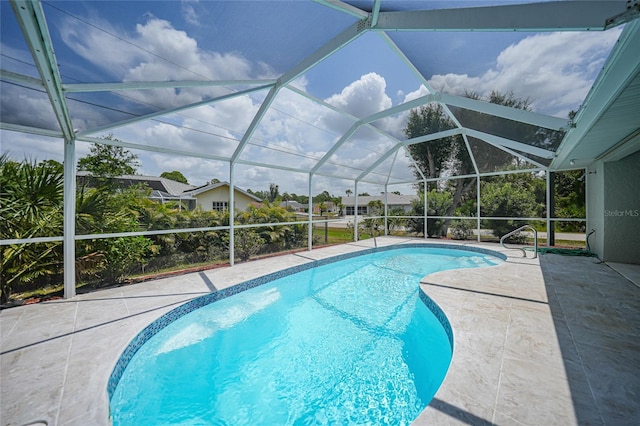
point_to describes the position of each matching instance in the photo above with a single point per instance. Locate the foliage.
(373, 225)
(438, 203)
(569, 198)
(109, 160)
(323, 197)
(275, 237)
(274, 192)
(449, 156)
(31, 206)
(461, 229)
(175, 176)
(394, 222)
(508, 196)
(247, 243)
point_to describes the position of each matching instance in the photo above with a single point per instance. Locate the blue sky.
(107, 41)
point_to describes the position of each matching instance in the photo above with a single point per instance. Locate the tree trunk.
(461, 190)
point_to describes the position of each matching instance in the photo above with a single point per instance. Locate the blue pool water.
(349, 342)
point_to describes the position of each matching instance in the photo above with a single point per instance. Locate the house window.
(362, 210)
(221, 206)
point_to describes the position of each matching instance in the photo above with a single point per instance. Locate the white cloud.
(20, 146)
(363, 97)
(164, 54)
(555, 71)
(189, 12)
(27, 108)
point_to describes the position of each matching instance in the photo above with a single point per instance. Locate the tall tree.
(449, 156)
(286, 198)
(109, 160)
(274, 192)
(175, 175)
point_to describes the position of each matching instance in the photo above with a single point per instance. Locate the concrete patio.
(546, 341)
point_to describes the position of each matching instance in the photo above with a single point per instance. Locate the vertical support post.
(551, 186)
(310, 212)
(586, 209)
(426, 204)
(386, 209)
(478, 203)
(355, 217)
(232, 220)
(69, 219)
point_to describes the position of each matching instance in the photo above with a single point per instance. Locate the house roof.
(167, 186)
(392, 199)
(210, 186)
(294, 204)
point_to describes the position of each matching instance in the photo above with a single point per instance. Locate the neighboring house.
(394, 201)
(215, 196)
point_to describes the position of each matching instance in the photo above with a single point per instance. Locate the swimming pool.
(345, 340)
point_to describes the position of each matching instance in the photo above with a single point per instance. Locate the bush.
(502, 198)
(247, 243)
(438, 202)
(461, 229)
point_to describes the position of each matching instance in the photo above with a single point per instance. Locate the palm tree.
(348, 192)
(31, 207)
(286, 198)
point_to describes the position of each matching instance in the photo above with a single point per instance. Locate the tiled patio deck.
(536, 343)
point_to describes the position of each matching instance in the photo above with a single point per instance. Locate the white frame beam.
(546, 16)
(149, 85)
(500, 142)
(31, 18)
(171, 111)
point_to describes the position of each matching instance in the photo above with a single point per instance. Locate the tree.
(569, 198)
(509, 196)
(373, 225)
(449, 156)
(323, 197)
(286, 198)
(439, 201)
(348, 192)
(274, 192)
(109, 160)
(175, 176)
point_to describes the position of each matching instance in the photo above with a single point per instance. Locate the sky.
(103, 41)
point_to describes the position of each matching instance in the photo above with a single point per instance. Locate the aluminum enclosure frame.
(546, 16)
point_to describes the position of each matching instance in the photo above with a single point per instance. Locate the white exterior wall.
(595, 207)
(205, 199)
(613, 209)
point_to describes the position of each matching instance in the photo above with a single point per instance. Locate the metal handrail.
(524, 253)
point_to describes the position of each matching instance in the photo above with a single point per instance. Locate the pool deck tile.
(551, 341)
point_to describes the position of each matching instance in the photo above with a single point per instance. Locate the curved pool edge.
(149, 331)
